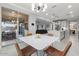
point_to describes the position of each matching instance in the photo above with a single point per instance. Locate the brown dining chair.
(28, 34)
(27, 51)
(51, 51)
(50, 34)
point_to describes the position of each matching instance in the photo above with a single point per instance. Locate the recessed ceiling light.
(43, 10)
(72, 15)
(37, 11)
(52, 16)
(46, 13)
(69, 6)
(13, 12)
(71, 12)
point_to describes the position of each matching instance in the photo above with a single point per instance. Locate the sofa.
(41, 31)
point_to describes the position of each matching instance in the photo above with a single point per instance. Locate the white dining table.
(40, 42)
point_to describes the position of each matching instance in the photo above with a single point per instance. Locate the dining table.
(39, 42)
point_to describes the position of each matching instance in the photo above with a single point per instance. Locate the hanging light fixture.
(39, 7)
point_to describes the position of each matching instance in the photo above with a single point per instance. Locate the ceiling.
(55, 10)
(8, 12)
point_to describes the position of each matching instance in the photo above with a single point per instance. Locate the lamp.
(39, 7)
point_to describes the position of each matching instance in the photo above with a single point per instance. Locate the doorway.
(8, 25)
(13, 24)
(73, 28)
(23, 24)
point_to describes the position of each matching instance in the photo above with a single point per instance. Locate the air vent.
(54, 6)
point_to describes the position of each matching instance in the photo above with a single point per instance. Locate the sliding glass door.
(13, 25)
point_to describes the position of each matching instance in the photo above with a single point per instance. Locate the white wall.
(63, 24)
(67, 33)
(17, 30)
(77, 25)
(50, 26)
(32, 19)
(0, 26)
(44, 26)
(78, 29)
(40, 26)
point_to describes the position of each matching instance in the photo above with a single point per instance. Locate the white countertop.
(39, 43)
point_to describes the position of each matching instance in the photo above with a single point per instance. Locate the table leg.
(40, 53)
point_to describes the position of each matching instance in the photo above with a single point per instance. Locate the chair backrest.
(50, 34)
(29, 33)
(18, 49)
(67, 48)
